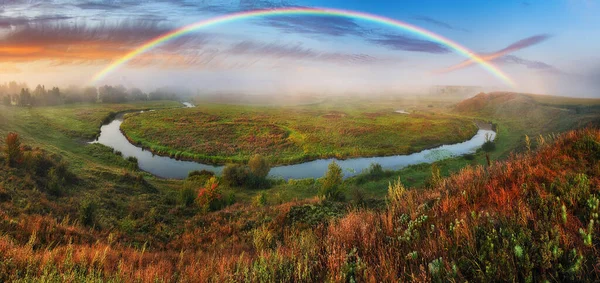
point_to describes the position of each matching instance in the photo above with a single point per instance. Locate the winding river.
(166, 167)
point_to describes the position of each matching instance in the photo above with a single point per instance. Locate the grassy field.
(105, 219)
(223, 133)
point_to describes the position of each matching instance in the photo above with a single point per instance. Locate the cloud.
(297, 51)
(76, 43)
(523, 43)
(8, 22)
(324, 25)
(406, 43)
(537, 65)
(526, 42)
(439, 23)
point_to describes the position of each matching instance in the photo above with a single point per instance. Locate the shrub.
(202, 173)
(436, 177)
(259, 166)
(210, 197)
(255, 182)
(263, 239)
(489, 144)
(14, 155)
(359, 196)
(87, 212)
(330, 189)
(375, 170)
(56, 181)
(187, 196)
(37, 162)
(235, 174)
(260, 200)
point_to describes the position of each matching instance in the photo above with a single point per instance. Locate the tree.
(259, 166)
(14, 155)
(25, 98)
(235, 174)
(332, 182)
(110, 94)
(137, 94)
(6, 100)
(90, 94)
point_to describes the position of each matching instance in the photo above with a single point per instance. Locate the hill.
(531, 218)
(518, 115)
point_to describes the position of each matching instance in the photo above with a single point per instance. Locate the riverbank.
(167, 167)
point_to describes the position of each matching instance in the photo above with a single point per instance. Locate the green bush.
(259, 166)
(489, 144)
(187, 196)
(235, 175)
(331, 185)
(260, 200)
(202, 173)
(87, 212)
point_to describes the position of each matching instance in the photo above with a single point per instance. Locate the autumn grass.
(526, 219)
(217, 133)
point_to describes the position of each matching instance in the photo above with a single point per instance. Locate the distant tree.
(90, 94)
(25, 98)
(14, 155)
(110, 94)
(6, 100)
(137, 94)
(39, 94)
(330, 189)
(259, 166)
(53, 96)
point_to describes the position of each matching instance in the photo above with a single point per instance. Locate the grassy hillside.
(233, 133)
(72, 211)
(531, 218)
(518, 115)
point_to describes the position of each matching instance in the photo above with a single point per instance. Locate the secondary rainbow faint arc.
(304, 11)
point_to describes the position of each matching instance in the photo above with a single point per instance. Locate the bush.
(259, 166)
(489, 144)
(187, 196)
(235, 174)
(202, 173)
(87, 212)
(375, 170)
(330, 189)
(359, 196)
(260, 200)
(14, 155)
(210, 197)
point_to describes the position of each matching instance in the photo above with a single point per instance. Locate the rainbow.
(303, 11)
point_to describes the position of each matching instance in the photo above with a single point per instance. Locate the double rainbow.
(304, 11)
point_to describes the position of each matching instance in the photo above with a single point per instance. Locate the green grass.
(217, 133)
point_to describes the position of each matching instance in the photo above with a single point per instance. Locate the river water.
(166, 167)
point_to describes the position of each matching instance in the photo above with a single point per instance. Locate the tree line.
(19, 94)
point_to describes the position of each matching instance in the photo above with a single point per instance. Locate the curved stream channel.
(166, 167)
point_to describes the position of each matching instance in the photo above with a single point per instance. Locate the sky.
(544, 46)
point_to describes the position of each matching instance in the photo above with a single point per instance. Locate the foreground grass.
(532, 218)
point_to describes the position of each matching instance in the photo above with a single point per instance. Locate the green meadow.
(225, 133)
